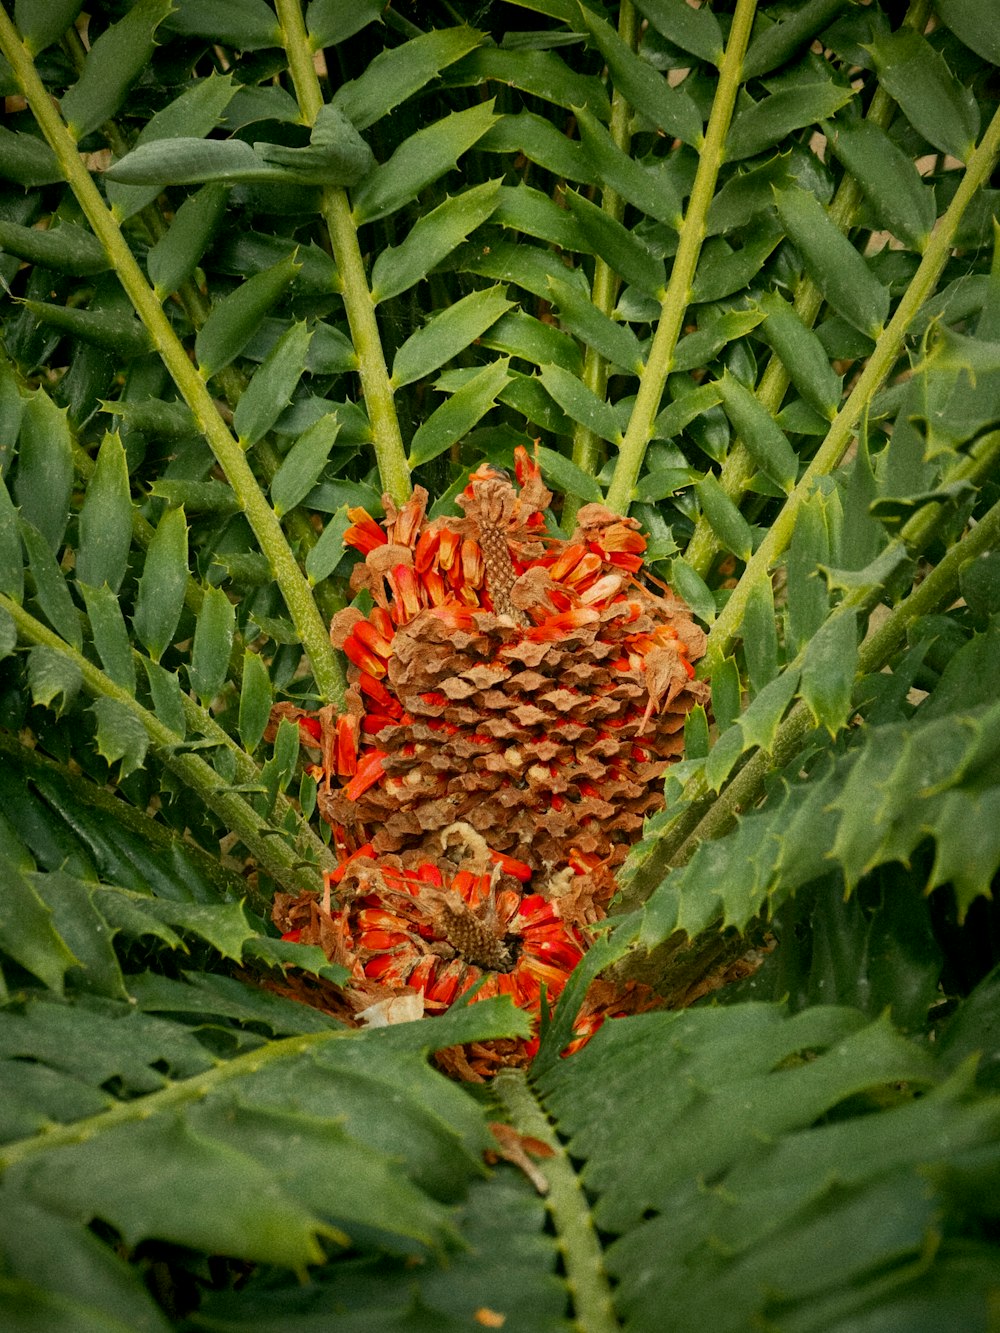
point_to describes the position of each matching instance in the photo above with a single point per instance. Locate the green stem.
(272, 853)
(678, 293)
(593, 1308)
(229, 379)
(841, 432)
(290, 579)
(308, 844)
(739, 466)
(376, 385)
(164, 1099)
(588, 447)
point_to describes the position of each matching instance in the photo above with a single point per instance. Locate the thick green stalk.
(272, 853)
(678, 293)
(593, 1308)
(174, 1094)
(387, 439)
(739, 466)
(588, 447)
(247, 772)
(192, 386)
(841, 433)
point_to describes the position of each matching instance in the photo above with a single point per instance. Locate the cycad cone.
(515, 700)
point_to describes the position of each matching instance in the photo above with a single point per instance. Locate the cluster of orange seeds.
(515, 698)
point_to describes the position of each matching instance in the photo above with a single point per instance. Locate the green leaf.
(302, 465)
(695, 350)
(277, 773)
(27, 160)
(759, 723)
(540, 142)
(538, 73)
(748, 192)
(234, 319)
(581, 403)
(113, 330)
(333, 21)
(105, 521)
(832, 262)
(163, 584)
(213, 642)
(447, 333)
(802, 354)
(460, 413)
(764, 440)
(724, 518)
(398, 73)
(693, 588)
(52, 674)
(623, 251)
(567, 477)
(93, 1292)
(807, 598)
(646, 185)
(696, 733)
(772, 45)
(120, 735)
(660, 482)
(156, 417)
(222, 925)
(524, 209)
(241, 1212)
(44, 476)
(335, 155)
(934, 101)
(11, 558)
(255, 701)
(726, 693)
(113, 64)
(722, 271)
(668, 109)
(207, 994)
(270, 390)
(189, 117)
(828, 670)
(8, 633)
(760, 636)
(431, 239)
(42, 22)
(616, 342)
(167, 697)
(187, 160)
(328, 552)
(520, 334)
(107, 625)
(766, 124)
(694, 30)
(971, 24)
(65, 248)
(51, 589)
(888, 178)
(245, 25)
(27, 933)
(688, 405)
(198, 497)
(418, 161)
(174, 257)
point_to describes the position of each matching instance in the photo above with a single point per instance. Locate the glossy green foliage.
(730, 268)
